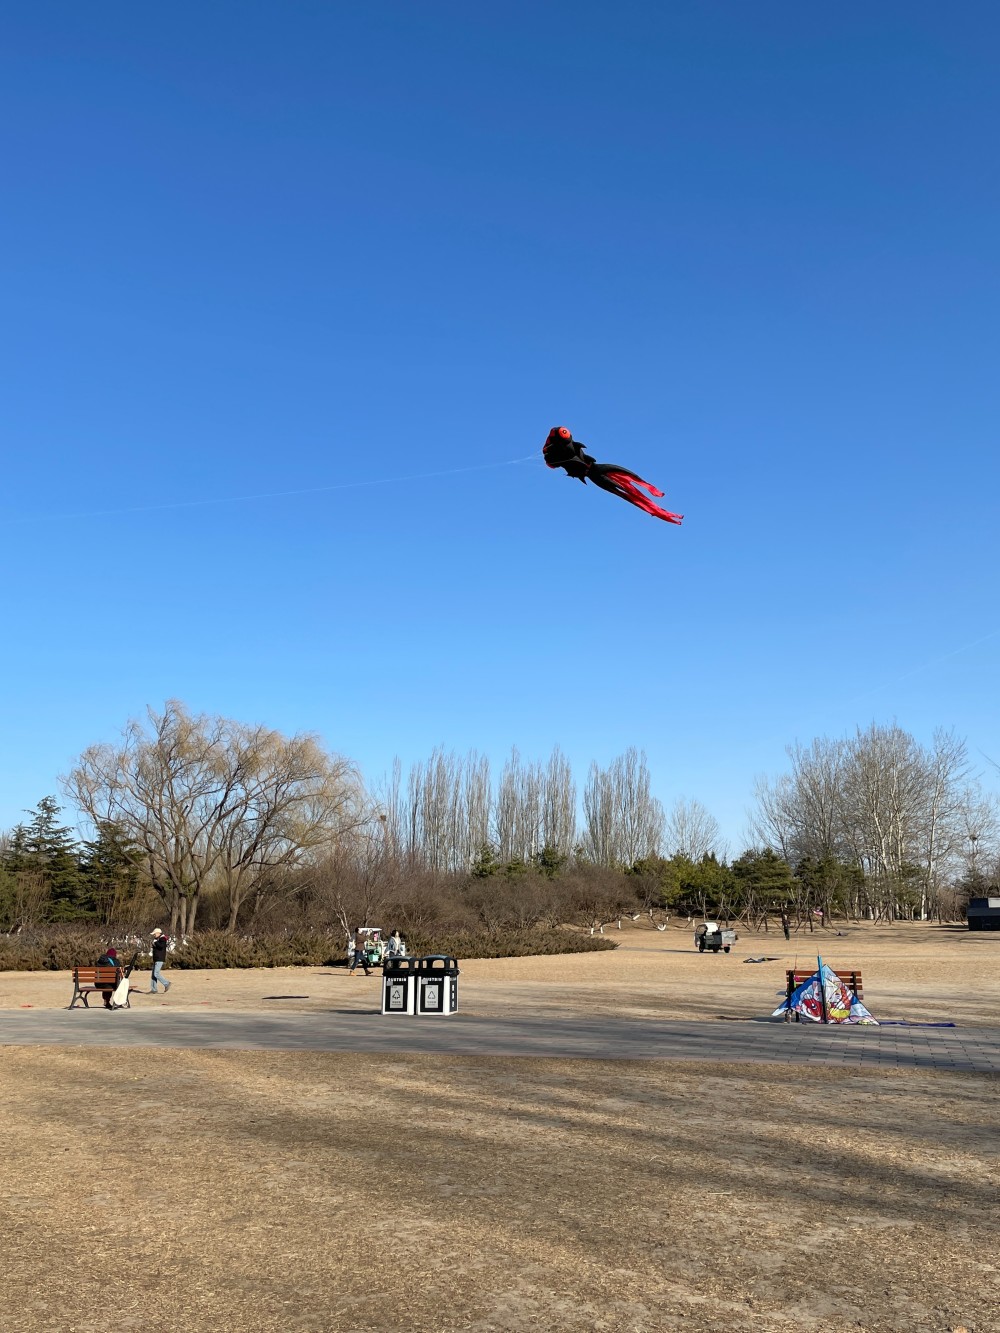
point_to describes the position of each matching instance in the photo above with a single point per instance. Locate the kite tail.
(626, 484)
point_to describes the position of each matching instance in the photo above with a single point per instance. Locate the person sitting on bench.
(108, 959)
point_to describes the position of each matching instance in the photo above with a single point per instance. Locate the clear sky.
(748, 250)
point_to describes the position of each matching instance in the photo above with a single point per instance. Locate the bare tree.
(880, 801)
(214, 803)
(434, 810)
(979, 837)
(519, 811)
(946, 799)
(477, 804)
(691, 831)
(355, 878)
(885, 799)
(624, 821)
(802, 813)
(442, 821)
(558, 803)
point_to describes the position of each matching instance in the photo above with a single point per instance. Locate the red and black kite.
(561, 450)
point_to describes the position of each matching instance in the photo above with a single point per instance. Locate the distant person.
(160, 942)
(786, 925)
(395, 947)
(108, 959)
(358, 956)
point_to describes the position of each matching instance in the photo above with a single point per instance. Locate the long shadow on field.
(841, 1140)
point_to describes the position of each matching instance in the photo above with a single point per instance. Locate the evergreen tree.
(550, 861)
(764, 882)
(49, 849)
(703, 888)
(828, 884)
(15, 853)
(486, 864)
(110, 871)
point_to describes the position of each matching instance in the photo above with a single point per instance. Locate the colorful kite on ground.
(561, 450)
(824, 989)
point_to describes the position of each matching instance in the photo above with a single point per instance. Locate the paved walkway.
(605, 1038)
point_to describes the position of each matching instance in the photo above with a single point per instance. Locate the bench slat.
(850, 977)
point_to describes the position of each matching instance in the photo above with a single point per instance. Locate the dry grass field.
(913, 971)
(265, 1191)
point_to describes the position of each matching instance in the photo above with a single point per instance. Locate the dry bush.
(52, 949)
(507, 944)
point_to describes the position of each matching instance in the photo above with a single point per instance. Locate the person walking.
(160, 942)
(359, 957)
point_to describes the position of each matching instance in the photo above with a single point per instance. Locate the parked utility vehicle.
(709, 935)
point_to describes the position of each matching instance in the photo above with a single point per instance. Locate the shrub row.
(509, 943)
(54, 950)
(214, 949)
(58, 951)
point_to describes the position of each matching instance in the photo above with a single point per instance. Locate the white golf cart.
(710, 937)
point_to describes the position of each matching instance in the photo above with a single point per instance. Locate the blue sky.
(749, 251)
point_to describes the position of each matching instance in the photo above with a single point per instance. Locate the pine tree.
(110, 870)
(15, 853)
(49, 849)
(765, 884)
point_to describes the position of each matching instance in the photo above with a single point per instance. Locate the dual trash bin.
(420, 986)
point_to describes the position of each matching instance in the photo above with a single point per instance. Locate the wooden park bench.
(86, 980)
(794, 979)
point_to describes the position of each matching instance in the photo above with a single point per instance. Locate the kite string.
(264, 495)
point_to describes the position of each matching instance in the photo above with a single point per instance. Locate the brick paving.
(972, 1050)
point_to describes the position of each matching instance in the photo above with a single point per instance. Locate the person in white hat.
(160, 942)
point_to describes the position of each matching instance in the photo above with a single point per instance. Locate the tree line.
(204, 822)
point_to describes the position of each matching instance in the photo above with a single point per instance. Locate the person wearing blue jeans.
(160, 942)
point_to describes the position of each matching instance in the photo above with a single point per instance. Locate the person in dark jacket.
(108, 959)
(359, 956)
(160, 942)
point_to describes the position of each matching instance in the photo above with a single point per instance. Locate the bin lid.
(447, 963)
(400, 964)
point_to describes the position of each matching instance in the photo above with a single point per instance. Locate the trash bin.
(437, 985)
(399, 985)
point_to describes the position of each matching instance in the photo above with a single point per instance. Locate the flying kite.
(561, 450)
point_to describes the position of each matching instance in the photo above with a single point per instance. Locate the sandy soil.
(913, 971)
(269, 1191)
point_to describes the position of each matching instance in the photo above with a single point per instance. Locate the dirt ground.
(268, 1191)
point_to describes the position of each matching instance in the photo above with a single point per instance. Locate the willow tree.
(216, 805)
